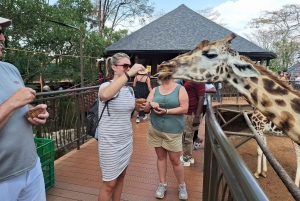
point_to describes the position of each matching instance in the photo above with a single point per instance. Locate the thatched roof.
(180, 31)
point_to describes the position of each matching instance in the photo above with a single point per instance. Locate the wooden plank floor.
(78, 175)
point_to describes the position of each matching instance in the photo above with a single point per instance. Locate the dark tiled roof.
(180, 30)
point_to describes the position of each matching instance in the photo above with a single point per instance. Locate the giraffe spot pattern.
(254, 79)
(235, 80)
(194, 70)
(270, 115)
(247, 87)
(265, 101)
(295, 104)
(280, 102)
(254, 96)
(287, 122)
(216, 78)
(202, 70)
(271, 88)
(222, 71)
(208, 75)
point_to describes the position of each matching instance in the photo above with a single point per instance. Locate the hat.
(143, 72)
(102, 59)
(5, 22)
(46, 88)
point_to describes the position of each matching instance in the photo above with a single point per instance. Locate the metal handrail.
(67, 121)
(222, 162)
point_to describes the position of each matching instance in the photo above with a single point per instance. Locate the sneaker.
(197, 145)
(187, 163)
(137, 120)
(183, 195)
(161, 189)
(145, 117)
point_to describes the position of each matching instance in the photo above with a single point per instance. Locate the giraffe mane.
(270, 74)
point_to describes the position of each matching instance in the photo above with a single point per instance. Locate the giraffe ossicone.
(215, 61)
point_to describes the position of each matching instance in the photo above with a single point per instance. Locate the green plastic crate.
(44, 148)
(48, 172)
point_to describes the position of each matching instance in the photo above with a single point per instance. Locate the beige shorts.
(170, 142)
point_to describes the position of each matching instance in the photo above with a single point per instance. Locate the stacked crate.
(45, 150)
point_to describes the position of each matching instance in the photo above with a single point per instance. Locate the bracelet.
(128, 77)
(167, 110)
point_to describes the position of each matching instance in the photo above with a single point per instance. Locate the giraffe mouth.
(166, 68)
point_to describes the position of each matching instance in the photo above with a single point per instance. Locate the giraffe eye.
(209, 56)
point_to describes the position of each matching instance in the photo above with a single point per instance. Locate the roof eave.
(262, 55)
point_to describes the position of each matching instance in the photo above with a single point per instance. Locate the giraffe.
(216, 62)
(263, 126)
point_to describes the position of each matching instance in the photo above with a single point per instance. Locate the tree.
(286, 52)
(213, 15)
(114, 13)
(278, 31)
(36, 36)
(284, 22)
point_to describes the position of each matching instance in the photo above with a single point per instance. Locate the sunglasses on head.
(125, 66)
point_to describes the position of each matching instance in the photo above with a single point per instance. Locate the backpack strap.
(106, 105)
(131, 90)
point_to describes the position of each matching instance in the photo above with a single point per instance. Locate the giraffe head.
(208, 62)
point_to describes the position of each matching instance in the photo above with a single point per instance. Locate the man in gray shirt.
(21, 176)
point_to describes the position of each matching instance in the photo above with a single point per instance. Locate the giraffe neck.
(274, 99)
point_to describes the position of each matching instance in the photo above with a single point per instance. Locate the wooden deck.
(78, 175)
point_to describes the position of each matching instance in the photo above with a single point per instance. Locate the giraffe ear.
(244, 69)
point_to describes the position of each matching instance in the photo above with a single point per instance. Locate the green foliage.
(286, 54)
(37, 46)
(37, 36)
(111, 37)
(278, 31)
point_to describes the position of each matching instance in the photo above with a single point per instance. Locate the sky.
(234, 13)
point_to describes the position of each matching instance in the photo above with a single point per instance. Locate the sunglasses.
(125, 66)
(1, 31)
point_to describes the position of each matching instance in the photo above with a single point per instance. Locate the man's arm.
(20, 98)
(196, 119)
(201, 92)
(6, 110)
